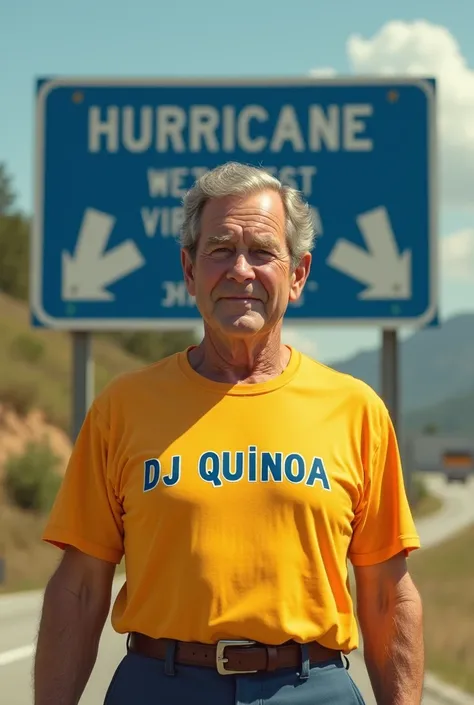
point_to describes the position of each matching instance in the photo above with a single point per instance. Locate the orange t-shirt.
(236, 506)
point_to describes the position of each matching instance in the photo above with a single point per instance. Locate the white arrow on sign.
(87, 273)
(386, 272)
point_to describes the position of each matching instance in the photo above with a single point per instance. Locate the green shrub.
(31, 479)
(14, 254)
(419, 490)
(25, 347)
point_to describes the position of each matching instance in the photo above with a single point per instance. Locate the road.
(19, 616)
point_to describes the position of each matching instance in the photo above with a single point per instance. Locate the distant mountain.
(436, 367)
(454, 416)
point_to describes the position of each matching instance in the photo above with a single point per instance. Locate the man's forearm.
(68, 639)
(394, 650)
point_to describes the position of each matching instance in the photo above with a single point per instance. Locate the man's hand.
(76, 604)
(390, 616)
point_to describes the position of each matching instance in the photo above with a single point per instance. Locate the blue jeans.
(139, 680)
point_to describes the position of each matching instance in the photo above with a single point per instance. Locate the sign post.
(390, 374)
(83, 378)
(114, 158)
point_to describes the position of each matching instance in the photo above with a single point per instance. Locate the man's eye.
(220, 250)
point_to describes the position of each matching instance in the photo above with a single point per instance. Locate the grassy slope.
(28, 561)
(427, 505)
(445, 577)
(46, 382)
(43, 383)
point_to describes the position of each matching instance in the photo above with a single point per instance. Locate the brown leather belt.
(232, 656)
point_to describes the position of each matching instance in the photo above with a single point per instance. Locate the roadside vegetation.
(423, 503)
(445, 577)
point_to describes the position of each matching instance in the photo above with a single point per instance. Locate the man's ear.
(299, 277)
(187, 264)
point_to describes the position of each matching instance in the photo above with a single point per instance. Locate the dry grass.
(36, 364)
(36, 372)
(429, 504)
(445, 577)
(28, 561)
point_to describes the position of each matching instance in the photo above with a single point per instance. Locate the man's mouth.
(240, 298)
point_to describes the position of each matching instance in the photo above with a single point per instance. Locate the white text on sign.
(176, 294)
(167, 221)
(175, 181)
(252, 129)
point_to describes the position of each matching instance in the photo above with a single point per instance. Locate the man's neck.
(239, 361)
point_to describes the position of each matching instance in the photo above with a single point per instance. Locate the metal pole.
(3, 565)
(82, 379)
(390, 375)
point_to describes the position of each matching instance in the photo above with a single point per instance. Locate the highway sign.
(115, 156)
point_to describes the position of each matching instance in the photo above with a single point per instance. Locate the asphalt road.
(19, 617)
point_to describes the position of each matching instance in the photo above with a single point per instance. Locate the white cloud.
(457, 256)
(428, 50)
(323, 71)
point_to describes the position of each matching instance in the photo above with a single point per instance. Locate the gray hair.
(234, 179)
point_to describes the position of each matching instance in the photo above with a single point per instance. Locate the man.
(236, 477)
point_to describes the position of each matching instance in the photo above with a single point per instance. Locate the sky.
(253, 38)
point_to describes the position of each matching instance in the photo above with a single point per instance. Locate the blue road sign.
(115, 156)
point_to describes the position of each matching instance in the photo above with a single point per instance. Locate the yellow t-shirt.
(236, 507)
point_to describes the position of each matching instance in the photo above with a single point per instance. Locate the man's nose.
(241, 269)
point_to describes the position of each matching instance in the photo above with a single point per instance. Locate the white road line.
(7, 657)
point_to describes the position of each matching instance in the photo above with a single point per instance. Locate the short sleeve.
(86, 513)
(383, 524)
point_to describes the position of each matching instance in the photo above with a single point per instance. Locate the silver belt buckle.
(221, 659)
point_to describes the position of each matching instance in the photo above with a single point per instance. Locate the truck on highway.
(457, 465)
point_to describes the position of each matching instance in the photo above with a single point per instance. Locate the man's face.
(241, 275)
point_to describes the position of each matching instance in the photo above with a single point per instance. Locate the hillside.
(454, 416)
(35, 381)
(437, 374)
(35, 365)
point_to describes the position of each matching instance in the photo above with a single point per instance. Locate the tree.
(7, 196)
(14, 242)
(14, 252)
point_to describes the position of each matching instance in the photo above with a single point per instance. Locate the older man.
(237, 478)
